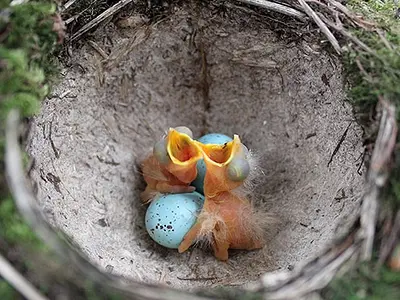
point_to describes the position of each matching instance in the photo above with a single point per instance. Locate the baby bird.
(227, 220)
(172, 165)
(227, 166)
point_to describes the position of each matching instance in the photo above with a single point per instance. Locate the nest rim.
(358, 247)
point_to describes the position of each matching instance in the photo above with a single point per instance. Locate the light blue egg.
(214, 138)
(169, 217)
(211, 138)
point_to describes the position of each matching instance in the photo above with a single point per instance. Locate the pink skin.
(231, 232)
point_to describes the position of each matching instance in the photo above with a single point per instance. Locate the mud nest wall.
(125, 85)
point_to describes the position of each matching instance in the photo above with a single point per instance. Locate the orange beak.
(184, 153)
(217, 159)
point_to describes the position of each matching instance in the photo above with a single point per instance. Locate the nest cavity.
(213, 71)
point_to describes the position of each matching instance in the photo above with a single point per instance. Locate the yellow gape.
(172, 165)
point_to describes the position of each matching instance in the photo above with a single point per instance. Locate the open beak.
(184, 153)
(217, 159)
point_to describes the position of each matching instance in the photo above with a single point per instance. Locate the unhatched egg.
(212, 138)
(169, 217)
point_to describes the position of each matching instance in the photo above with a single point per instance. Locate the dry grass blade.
(341, 7)
(385, 144)
(69, 20)
(312, 14)
(347, 35)
(100, 18)
(390, 243)
(383, 39)
(96, 47)
(68, 5)
(369, 212)
(9, 273)
(280, 8)
(360, 22)
(362, 69)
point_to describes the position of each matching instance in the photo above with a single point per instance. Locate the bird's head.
(179, 153)
(227, 166)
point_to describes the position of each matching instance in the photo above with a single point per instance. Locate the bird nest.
(214, 68)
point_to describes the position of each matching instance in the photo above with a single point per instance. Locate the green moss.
(24, 85)
(381, 70)
(380, 75)
(14, 228)
(26, 55)
(381, 12)
(365, 283)
(7, 292)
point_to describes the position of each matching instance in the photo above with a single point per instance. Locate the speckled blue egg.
(169, 217)
(212, 138)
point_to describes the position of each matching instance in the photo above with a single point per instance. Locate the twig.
(280, 8)
(338, 7)
(96, 47)
(388, 246)
(369, 212)
(312, 14)
(342, 8)
(68, 5)
(348, 35)
(361, 68)
(362, 162)
(53, 146)
(360, 22)
(13, 277)
(197, 279)
(339, 144)
(385, 143)
(384, 40)
(335, 8)
(350, 15)
(100, 18)
(69, 20)
(258, 14)
(324, 5)
(377, 176)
